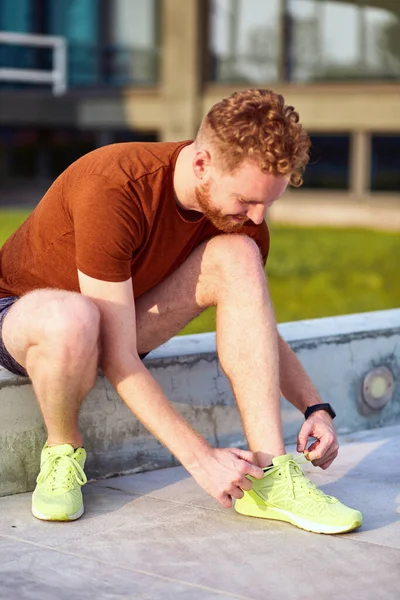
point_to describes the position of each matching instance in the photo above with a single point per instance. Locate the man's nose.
(257, 214)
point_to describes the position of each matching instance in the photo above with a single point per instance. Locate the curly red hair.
(256, 124)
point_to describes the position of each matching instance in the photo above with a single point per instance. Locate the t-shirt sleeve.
(108, 226)
(260, 235)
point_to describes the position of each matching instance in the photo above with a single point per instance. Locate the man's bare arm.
(298, 389)
(296, 386)
(122, 366)
(220, 472)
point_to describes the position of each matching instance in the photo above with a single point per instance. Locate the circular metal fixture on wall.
(378, 388)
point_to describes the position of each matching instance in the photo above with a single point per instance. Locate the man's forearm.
(295, 384)
(146, 400)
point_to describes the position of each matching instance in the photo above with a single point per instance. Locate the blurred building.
(149, 69)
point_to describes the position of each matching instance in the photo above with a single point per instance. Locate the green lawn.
(9, 221)
(313, 272)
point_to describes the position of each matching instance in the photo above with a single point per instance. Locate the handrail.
(57, 76)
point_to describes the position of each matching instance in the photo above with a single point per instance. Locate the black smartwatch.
(324, 406)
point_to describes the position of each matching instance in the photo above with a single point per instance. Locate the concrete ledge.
(337, 353)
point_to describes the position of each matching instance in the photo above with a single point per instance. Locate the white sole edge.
(42, 517)
(303, 523)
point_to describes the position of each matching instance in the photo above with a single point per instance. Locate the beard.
(225, 223)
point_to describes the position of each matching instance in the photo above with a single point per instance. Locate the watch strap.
(323, 406)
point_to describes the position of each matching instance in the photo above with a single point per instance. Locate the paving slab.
(157, 535)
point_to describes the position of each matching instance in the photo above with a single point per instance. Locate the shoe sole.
(59, 516)
(277, 514)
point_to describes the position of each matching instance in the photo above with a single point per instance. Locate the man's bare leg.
(54, 335)
(226, 272)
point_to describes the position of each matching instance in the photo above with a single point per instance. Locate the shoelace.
(293, 469)
(61, 466)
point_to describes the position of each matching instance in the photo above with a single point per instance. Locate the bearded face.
(225, 223)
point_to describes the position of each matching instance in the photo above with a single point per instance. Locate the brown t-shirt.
(113, 215)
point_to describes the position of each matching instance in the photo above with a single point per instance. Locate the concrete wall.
(337, 353)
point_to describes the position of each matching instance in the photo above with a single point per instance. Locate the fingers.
(313, 446)
(326, 461)
(318, 457)
(244, 454)
(321, 449)
(235, 490)
(254, 471)
(245, 484)
(225, 500)
(237, 493)
(303, 436)
(248, 467)
(312, 451)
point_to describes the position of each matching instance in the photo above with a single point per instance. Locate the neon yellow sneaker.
(286, 494)
(58, 494)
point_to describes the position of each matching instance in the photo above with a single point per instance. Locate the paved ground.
(157, 536)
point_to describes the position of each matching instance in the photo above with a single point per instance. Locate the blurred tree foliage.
(312, 271)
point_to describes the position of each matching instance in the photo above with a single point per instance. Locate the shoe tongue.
(62, 450)
(281, 460)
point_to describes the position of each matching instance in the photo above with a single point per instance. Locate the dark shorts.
(6, 360)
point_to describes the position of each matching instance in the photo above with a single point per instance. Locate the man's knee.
(65, 326)
(62, 320)
(72, 321)
(236, 255)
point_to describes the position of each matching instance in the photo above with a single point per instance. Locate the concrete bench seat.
(337, 353)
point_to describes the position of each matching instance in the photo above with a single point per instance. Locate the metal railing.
(57, 76)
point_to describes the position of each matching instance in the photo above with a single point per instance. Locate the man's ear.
(201, 163)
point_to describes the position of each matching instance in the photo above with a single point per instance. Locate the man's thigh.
(27, 319)
(212, 270)
(6, 360)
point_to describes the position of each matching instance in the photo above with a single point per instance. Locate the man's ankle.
(264, 459)
(74, 442)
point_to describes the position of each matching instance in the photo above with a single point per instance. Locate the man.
(128, 245)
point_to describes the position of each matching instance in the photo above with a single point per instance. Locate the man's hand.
(324, 450)
(222, 473)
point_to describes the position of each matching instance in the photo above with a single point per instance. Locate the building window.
(18, 153)
(77, 21)
(133, 41)
(109, 42)
(41, 154)
(385, 163)
(329, 163)
(329, 40)
(16, 18)
(244, 40)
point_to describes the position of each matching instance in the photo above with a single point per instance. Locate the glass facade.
(78, 22)
(110, 42)
(385, 163)
(40, 154)
(339, 41)
(16, 17)
(329, 162)
(133, 41)
(244, 40)
(258, 41)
